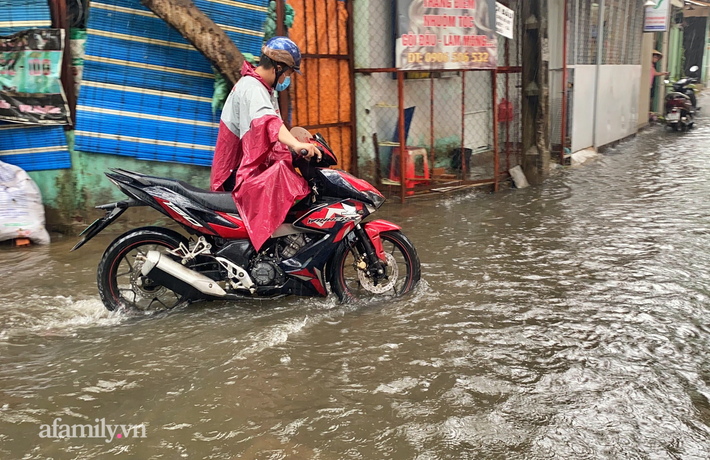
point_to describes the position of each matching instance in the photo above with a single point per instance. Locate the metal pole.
(507, 98)
(463, 125)
(378, 165)
(563, 128)
(600, 50)
(431, 117)
(351, 68)
(284, 96)
(402, 137)
(576, 32)
(280, 25)
(496, 158)
(60, 20)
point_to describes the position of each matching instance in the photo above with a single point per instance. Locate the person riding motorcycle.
(252, 157)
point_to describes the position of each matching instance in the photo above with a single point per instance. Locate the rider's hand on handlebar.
(309, 148)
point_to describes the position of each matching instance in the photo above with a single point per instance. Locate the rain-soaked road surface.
(566, 321)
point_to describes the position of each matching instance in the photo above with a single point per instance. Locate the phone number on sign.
(446, 57)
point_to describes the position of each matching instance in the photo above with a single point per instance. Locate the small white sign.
(545, 50)
(505, 20)
(656, 19)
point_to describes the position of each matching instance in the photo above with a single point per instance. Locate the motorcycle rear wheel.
(122, 286)
(346, 281)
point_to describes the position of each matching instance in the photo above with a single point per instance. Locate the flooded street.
(570, 320)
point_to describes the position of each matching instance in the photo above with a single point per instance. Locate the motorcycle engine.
(265, 270)
(292, 243)
(264, 273)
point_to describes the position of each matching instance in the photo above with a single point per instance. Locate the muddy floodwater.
(570, 320)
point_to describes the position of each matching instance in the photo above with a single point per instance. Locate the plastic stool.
(411, 178)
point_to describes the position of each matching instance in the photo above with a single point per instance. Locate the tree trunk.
(202, 33)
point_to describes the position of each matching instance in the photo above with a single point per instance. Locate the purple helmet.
(283, 50)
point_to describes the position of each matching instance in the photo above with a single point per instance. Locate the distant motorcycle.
(323, 241)
(681, 103)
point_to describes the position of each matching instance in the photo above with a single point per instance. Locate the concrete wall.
(69, 195)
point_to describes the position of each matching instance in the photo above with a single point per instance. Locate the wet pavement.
(570, 320)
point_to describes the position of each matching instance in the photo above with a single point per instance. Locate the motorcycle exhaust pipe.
(179, 278)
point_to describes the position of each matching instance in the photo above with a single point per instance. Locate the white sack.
(21, 209)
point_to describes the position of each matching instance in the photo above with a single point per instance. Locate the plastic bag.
(21, 209)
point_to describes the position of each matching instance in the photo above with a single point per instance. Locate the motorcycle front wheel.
(119, 278)
(403, 271)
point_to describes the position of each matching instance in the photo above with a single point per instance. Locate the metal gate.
(456, 129)
(323, 96)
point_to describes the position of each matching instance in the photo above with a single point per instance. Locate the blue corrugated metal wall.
(146, 92)
(30, 147)
(17, 15)
(34, 148)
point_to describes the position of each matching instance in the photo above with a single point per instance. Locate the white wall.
(617, 114)
(583, 107)
(617, 102)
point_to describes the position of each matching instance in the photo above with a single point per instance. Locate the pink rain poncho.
(267, 185)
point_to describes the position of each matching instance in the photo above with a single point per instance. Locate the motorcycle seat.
(217, 201)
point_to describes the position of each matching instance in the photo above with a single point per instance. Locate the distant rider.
(252, 159)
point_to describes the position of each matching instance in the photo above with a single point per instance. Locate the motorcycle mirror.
(694, 68)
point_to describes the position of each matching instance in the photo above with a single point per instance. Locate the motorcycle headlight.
(377, 199)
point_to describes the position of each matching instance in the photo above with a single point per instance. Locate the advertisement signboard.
(445, 35)
(30, 86)
(656, 18)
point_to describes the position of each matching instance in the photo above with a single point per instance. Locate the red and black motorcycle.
(324, 240)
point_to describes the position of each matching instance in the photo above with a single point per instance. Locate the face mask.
(284, 85)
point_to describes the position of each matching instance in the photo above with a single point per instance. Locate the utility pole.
(536, 92)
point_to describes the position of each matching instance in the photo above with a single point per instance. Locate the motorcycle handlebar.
(304, 152)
